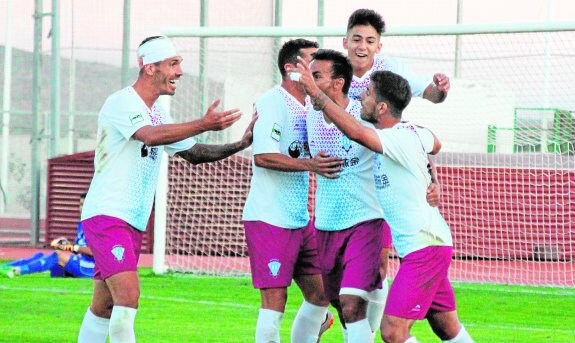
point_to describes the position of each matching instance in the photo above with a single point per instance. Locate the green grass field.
(181, 308)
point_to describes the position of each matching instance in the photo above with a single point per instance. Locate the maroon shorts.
(422, 284)
(278, 254)
(115, 244)
(350, 259)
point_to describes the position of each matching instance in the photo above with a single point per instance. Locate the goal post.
(508, 183)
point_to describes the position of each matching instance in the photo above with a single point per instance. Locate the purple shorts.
(350, 258)
(386, 235)
(422, 284)
(115, 245)
(277, 254)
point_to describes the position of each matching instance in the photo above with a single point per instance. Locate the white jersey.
(416, 82)
(124, 182)
(350, 199)
(277, 197)
(401, 180)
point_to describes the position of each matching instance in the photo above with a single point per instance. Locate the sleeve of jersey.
(176, 147)
(417, 82)
(395, 144)
(427, 139)
(125, 118)
(269, 127)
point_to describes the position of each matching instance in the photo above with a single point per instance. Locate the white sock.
(268, 326)
(122, 325)
(307, 323)
(412, 339)
(359, 332)
(462, 337)
(94, 329)
(344, 334)
(376, 305)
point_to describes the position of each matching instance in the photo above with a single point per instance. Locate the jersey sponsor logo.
(295, 149)
(276, 132)
(381, 181)
(417, 308)
(118, 252)
(274, 266)
(350, 162)
(345, 143)
(136, 118)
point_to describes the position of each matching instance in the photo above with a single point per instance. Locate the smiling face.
(322, 75)
(166, 75)
(362, 43)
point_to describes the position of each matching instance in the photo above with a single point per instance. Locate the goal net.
(506, 168)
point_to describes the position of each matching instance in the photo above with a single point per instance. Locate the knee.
(102, 309)
(353, 309)
(128, 297)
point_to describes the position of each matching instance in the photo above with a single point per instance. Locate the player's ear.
(379, 45)
(382, 107)
(345, 43)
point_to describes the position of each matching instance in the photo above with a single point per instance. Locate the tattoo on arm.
(202, 153)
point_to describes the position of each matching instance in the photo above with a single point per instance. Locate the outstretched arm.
(321, 164)
(345, 123)
(202, 153)
(170, 133)
(437, 91)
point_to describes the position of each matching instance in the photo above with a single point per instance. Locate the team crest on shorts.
(118, 252)
(274, 267)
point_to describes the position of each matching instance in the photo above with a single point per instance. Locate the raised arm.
(346, 123)
(202, 153)
(170, 133)
(437, 91)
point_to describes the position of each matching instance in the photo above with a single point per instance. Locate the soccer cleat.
(7, 271)
(325, 325)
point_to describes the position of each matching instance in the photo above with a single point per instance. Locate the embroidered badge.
(118, 252)
(274, 267)
(136, 118)
(276, 132)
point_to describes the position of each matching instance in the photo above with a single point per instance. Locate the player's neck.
(295, 89)
(360, 71)
(148, 94)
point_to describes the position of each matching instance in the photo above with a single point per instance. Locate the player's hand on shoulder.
(215, 121)
(326, 166)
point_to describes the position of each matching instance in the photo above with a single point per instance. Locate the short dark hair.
(340, 65)
(364, 16)
(146, 40)
(291, 50)
(393, 89)
(83, 195)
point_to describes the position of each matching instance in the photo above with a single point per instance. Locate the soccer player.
(363, 45)
(133, 132)
(281, 243)
(68, 259)
(348, 217)
(421, 288)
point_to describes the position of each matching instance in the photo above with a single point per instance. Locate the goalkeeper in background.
(69, 259)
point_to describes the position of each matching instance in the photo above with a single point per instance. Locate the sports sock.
(462, 337)
(268, 326)
(122, 325)
(412, 339)
(376, 305)
(39, 265)
(307, 322)
(94, 329)
(22, 261)
(359, 331)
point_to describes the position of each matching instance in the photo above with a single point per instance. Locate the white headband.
(156, 50)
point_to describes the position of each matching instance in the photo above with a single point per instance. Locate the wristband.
(76, 248)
